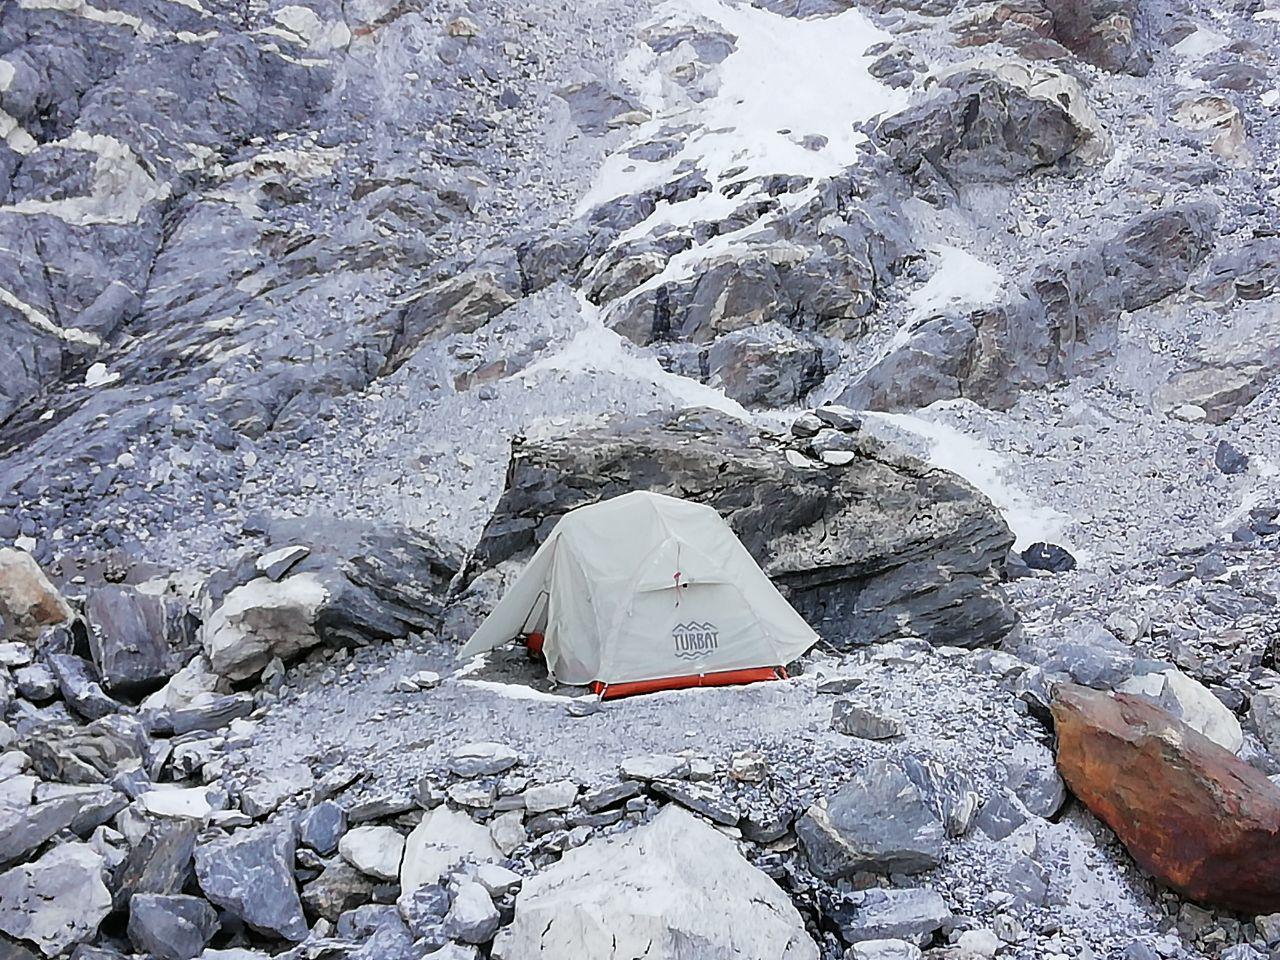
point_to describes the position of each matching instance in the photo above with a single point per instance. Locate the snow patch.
(960, 281)
(596, 350)
(99, 376)
(786, 80)
(518, 691)
(974, 461)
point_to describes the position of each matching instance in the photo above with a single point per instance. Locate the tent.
(647, 592)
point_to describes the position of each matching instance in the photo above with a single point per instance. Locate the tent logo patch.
(694, 640)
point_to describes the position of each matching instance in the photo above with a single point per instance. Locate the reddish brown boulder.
(1193, 815)
(28, 601)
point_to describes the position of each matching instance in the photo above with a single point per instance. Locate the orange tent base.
(726, 678)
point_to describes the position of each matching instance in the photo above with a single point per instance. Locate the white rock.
(264, 794)
(1191, 702)
(57, 901)
(884, 950)
(262, 620)
(684, 882)
(557, 795)
(193, 680)
(838, 458)
(507, 830)
(497, 879)
(191, 803)
(472, 917)
(978, 943)
(442, 840)
(376, 851)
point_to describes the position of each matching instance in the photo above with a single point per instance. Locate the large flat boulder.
(656, 892)
(1192, 814)
(882, 546)
(57, 901)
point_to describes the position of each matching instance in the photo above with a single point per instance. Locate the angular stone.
(250, 874)
(602, 798)
(482, 759)
(28, 601)
(321, 826)
(210, 712)
(854, 720)
(440, 842)
(909, 914)
(1191, 702)
(557, 795)
(878, 822)
(80, 688)
(472, 918)
(376, 851)
(160, 862)
(700, 800)
(129, 640)
(172, 927)
(339, 888)
(424, 909)
(1127, 760)
(57, 901)
(263, 620)
(35, 682)
(686, 884)
(276, 564)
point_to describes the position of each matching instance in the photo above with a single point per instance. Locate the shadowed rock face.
(1193, 815)
(882, 546)
(1062, 323)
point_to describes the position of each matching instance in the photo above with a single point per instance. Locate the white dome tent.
(647, 592)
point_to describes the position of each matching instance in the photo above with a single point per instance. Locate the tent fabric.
(644, 587)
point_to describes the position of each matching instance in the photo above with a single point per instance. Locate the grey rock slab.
(855, 720)
(250, 874)
(878, 822)
(482, 759)
(80, 688)
(129, 638)
(173, 927)
(321, 826)
(160, 862)
(912, 914)
(57, 901)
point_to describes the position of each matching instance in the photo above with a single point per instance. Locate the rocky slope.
(315, 316)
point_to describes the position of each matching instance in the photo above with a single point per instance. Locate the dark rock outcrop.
(1062, 323)
(1192, 814)
(882, 546)
(980, 126)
